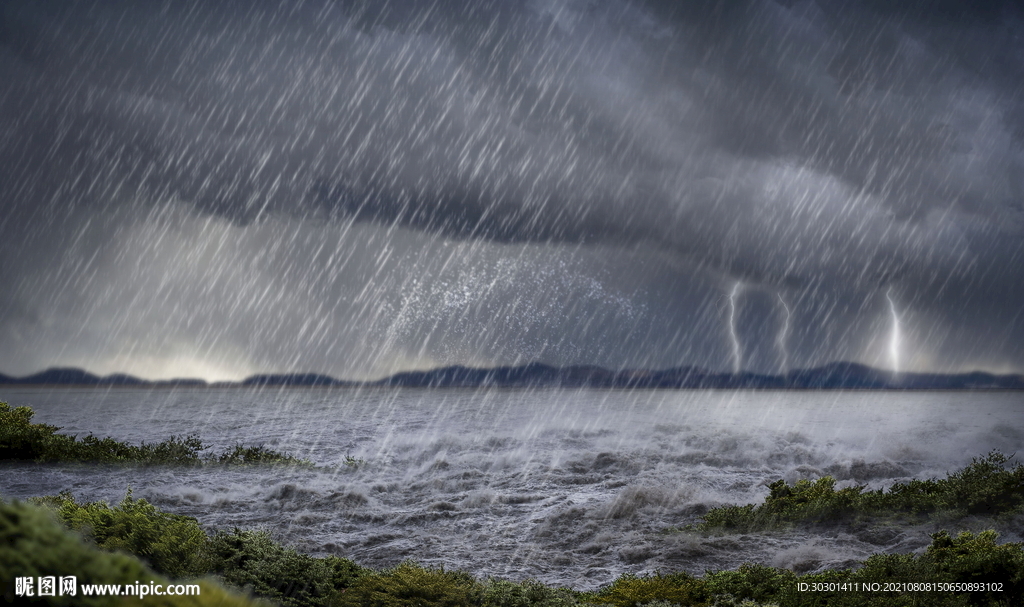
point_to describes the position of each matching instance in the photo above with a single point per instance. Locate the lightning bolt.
(737, 354)
(783, 337)
(894, 339)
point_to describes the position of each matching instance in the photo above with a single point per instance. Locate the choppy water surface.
(569, 487)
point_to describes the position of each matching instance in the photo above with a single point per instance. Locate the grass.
(988, 486)
(22, 440)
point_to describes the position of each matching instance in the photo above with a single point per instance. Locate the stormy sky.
(212, 189)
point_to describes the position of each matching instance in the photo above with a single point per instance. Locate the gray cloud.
(819, 150)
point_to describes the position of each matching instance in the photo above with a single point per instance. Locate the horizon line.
(842, 372)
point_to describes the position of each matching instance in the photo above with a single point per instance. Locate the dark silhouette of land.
(833, 376)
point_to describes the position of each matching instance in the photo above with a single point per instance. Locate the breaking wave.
(569, 487)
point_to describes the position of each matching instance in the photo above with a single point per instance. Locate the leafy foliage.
(410, 585)
(251, 559)
(171, 544)
(985, 487)
(257, 455)
(965, 558)
(176, 546)
(978, 558)
(528, 593)
(22, 440)
(755, 583)
(34, 544)
(353, 462)
(634, 591)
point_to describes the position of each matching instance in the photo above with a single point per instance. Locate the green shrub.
(176, 546)
(529, 593)
(172, 544)
(21, 440)
(257, 455)
(353, 462)
(34, 544)
(977, 558)
(806, 501)
(751, 582)
(410, 585)
(252, 560)
(175, 450)
(984, 487)
(964, 558)
(633, 591)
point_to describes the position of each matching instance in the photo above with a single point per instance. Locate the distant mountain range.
(833, 376)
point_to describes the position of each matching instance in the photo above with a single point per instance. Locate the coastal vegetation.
(988, 486)
(135, 541)
(22, 440)
(34, 544)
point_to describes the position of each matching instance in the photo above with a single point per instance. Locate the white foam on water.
(570, 487)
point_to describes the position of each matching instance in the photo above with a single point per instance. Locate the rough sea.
(569, 487)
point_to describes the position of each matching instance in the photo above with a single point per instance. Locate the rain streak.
(756, 193)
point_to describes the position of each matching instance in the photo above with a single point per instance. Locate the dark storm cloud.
(546, 121)
(822, 150)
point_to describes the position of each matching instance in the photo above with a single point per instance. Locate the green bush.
(977, 558)
(529, 593)
(985, 487)
(172, 544)
(634, 591)
(21, 440)
(751, 582)
(806, 501)
(257, 455)
(964, 558)
(410, 585)
(176, 546)
(34, 544)
(252, 560)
